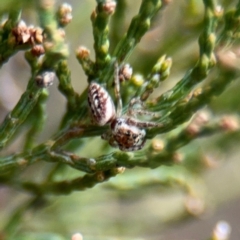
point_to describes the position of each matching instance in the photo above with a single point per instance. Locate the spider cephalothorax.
(126, 132)
(126, 136)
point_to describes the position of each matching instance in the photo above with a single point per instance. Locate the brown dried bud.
(65, 14)
(193, 129)
(37, 50)
(82, 53)
(229, 123)
(45, 79)
(37, 35)
(202, 117)
(27, 35)
(229, 59)
(125, 72)
(21, 33)
(109, 7)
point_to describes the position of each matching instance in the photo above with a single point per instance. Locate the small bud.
(65, 14)
(212, 60)
(137, 80)
(212, 38)
(45, 79)
(109, 7)
(156, 68)
(100, 176)
(211, 161)
(37, 50)
(22, 162)
(229, 59)
(77, 236)
(157, 145)
(61, 32)
(27, 35)
(165, 69)
(21, 33)
(48, 46)
(125, 72)
(197, 92)
(118, 170)
(218, 12)
(91, 163)
(229, 123)
(177, 157)
(201, 118)
(82, 53)
(166, 64)
(193, 129)
(105, 47)
(37, 35)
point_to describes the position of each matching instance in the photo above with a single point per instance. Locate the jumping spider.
(126, 132)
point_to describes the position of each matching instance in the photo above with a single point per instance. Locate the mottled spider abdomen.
(127, 137)
(101, 104)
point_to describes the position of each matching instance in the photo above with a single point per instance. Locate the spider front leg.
(133, 112)
(142, 124)
(117, 89)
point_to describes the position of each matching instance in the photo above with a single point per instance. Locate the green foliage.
(175, 110)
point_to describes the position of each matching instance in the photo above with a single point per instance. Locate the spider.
(126, 132)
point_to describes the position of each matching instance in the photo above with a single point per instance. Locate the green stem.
(20, 112)
(68, 186)
(205, 62)
(138, 27)
(37, 119)
(185, 108)
(100, 21)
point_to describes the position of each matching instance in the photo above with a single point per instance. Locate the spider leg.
(143, 124)
(133, 112)
(143, 112)
(117, 89)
